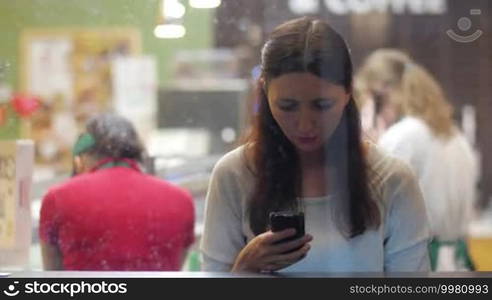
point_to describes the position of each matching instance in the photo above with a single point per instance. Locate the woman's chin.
(307, 148)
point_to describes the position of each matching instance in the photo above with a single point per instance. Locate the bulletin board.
(70, 70)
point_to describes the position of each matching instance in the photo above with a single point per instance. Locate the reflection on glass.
(185, 73)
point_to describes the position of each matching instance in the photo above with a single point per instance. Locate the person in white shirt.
(441, 157)
(363, 209)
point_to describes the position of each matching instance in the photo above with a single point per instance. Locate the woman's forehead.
(302, 85)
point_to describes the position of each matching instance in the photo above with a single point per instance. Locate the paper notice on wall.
(51, 56)
(7, 194)
(135, 91)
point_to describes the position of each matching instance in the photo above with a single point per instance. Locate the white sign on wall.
(51, 56)
(135, 91)
(345, 7)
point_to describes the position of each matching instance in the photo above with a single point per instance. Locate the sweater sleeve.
(189, 218)
(223, 237)
(407, 231)
(48, 221)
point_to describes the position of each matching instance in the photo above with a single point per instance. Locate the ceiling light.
(205, 3)
(169, 31)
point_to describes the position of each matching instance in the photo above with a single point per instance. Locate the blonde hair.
(415, 91)
(360, 92)
(420, 95)
(383, 66)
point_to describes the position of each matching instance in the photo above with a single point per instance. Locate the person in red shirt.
(110, 215)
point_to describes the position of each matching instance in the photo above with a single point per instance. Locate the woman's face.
(307, 108)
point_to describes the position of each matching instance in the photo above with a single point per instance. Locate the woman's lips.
(307, 140)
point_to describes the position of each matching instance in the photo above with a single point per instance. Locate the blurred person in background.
(426, 137)
(110, 215)
(379, 75)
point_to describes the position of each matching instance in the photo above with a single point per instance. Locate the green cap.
(84, 143)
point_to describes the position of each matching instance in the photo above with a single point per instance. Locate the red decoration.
(25, 105)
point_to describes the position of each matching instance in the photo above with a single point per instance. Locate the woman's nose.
(306, 121)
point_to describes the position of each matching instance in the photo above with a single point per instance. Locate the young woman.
(363, 210)
(443, 160)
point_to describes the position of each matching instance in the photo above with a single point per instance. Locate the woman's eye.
(287, 106)
(323, 104)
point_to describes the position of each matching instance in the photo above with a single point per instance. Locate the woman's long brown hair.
(306, 45)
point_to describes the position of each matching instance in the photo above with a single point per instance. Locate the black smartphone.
(280, 220)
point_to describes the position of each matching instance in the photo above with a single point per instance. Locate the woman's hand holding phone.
(265, 253)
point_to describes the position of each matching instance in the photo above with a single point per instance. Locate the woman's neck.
(312, 160)
(314, 174)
